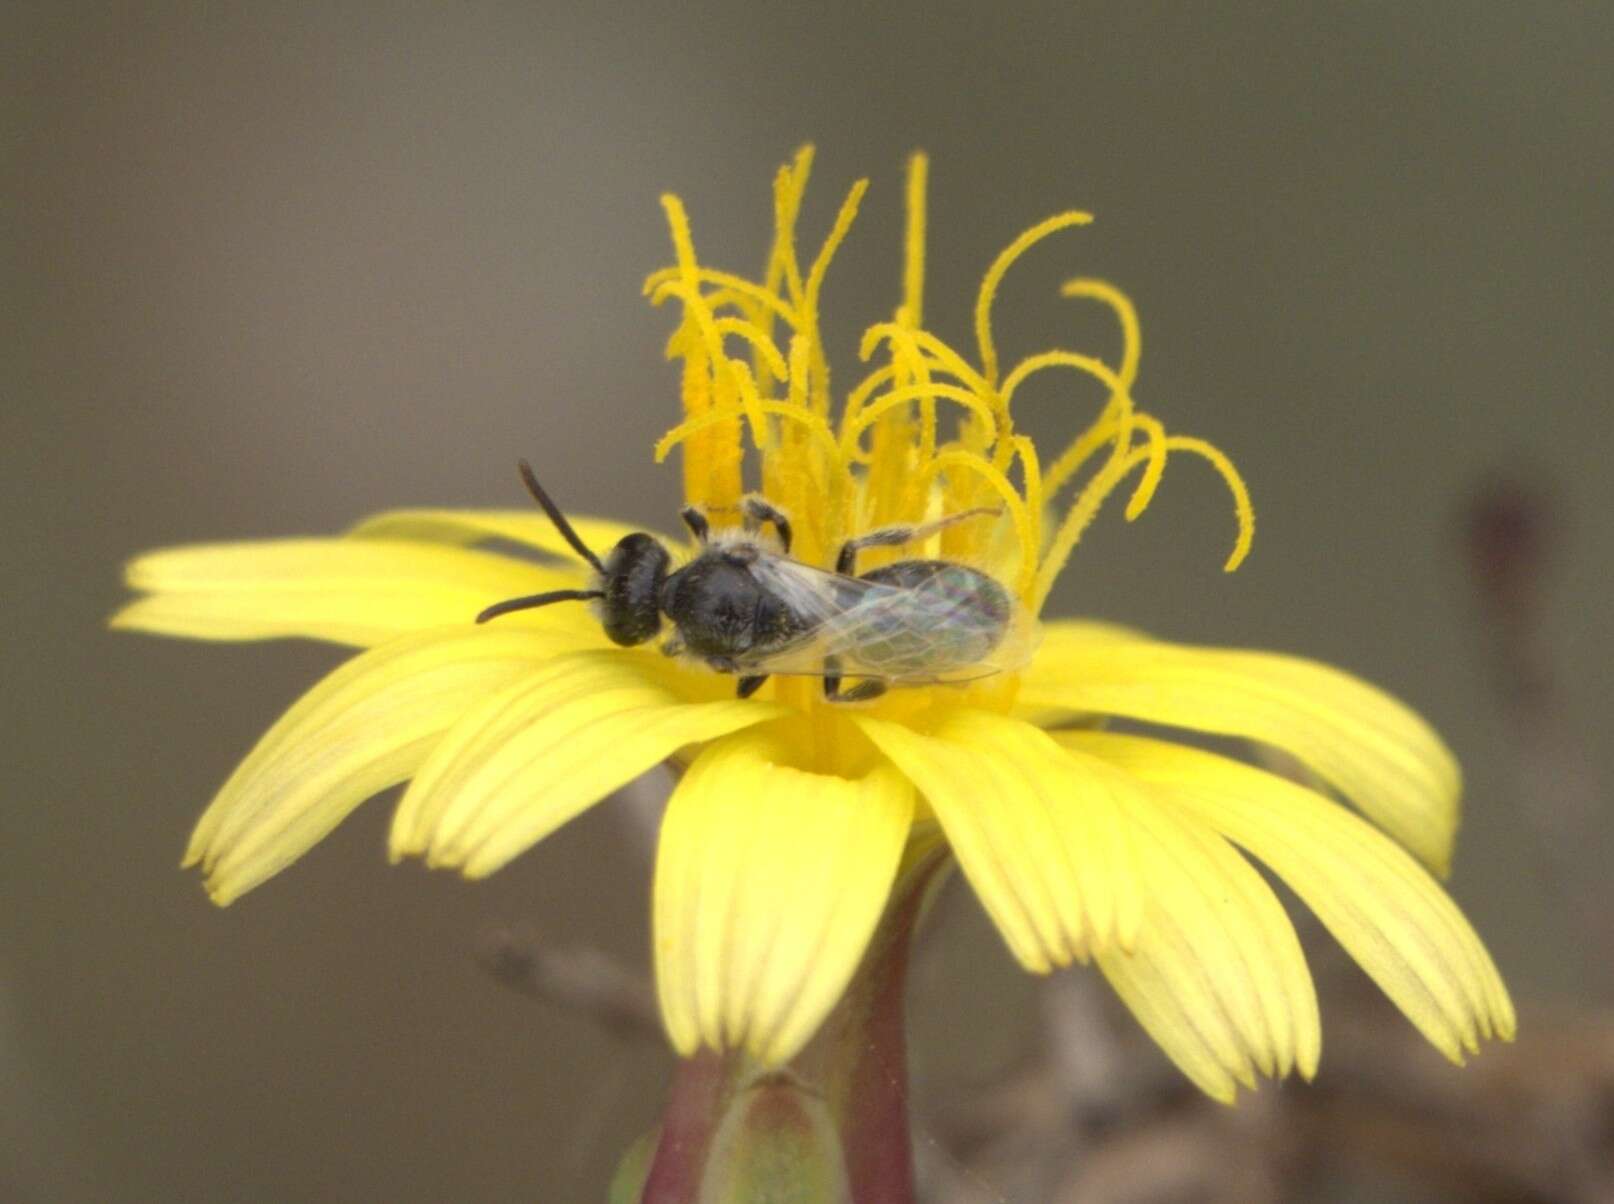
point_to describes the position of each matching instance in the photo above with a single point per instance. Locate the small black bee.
(741, 607)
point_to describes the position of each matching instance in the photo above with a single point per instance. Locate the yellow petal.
(1060, 636)
(528, 527)
(346, 590)
(1380, 755)
(1039, 833)
(1390, 915)
(769, 883)
(1216, 975)
(365, 727)
(551, 744)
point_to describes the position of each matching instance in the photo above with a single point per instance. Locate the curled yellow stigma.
(888, 458)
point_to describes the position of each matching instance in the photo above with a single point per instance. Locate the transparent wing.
(940, 631)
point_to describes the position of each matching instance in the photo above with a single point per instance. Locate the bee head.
(630, 588)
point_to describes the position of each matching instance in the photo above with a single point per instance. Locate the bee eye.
(634, 574)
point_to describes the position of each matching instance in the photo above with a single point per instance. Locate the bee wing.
(872, 629)
(833, 608)
(820, 598)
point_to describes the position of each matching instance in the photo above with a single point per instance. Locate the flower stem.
(700, 1089)
(864, 1045)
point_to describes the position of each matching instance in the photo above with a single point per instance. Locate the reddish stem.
(866, 1052)
(699, 1092)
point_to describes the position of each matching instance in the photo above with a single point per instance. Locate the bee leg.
(749, 685)
(759, 511)
(864, 691)
(696, 522)
(891, 537)
(673, 645)
(832, 678)
(869, 688)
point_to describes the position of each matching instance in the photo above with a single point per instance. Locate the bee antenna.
(556, 517)
(534, 600)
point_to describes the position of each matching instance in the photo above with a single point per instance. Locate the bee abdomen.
(954, 618)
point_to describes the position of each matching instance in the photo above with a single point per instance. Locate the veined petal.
(349, 591)
(1039, 833)
(365, 727)
(472, 526)
(1390, 915)
(769, 882)
(1378, 753)
(1216, 976)
(551, 744)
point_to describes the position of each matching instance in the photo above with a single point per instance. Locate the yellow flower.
(782, 839)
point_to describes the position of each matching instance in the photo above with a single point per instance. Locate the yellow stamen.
(944, 357)
(1103, 433)
(1125, 312)
(761, 343)
(751, 404)
(812, 423)
(1031, 470)
(800, 351)
(1094, 367)
(818, 389)
(789, 186)
(871, 413)
(655, 286)
(837, 234)
(865, 389)
(1242, 509)
(994, 277)
(712, 463)
(913, 243)
(1155, 457)
(1071, 527)
(807, 465)
(1013, 502)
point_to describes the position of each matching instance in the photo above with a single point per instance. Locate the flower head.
(789, 825)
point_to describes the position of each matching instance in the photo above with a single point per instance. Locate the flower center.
(924, 433)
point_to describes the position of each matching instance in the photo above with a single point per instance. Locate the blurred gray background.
(271, 268)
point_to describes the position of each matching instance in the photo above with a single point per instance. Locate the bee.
(743, 606)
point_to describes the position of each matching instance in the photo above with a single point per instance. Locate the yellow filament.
(865, 388)
(715, 328)
(871, 413)
(908, 364)
(1093, 495)
(913, 244)
(1094, 367)
(800, 350)
(944, 356)
(655, 288)
(1031, 470)
(1155, 455)
(1070, 461)
(1071, 527)
(712, 464)
(1125, 313)
(789, 187)
(1242, 509)
(761, 343)
(982, 468)
(685, 287)
(994, 277)
(811, 422)
(1107, 430)
(837, 233)
(751, 404)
